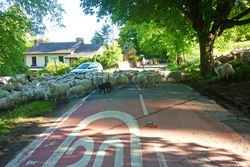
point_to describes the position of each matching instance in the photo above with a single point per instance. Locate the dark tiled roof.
(87, 48)
(77, 50)
(52, 48)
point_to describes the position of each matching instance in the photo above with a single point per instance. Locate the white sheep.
(76, 90)
(15, 98)
(131, 73)
(112, 80)
(140, 80)
(225, 71)
(3, 93)
(152, 79)
(38, 93)
(7, 87)
(17, 86)
(122, 79)
(27, 95)
(4, 103)
(36, 82)
(85, 83)
(56, 90)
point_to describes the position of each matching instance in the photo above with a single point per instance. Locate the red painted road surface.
(136, 132)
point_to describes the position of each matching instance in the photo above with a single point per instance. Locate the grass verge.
(9, 121)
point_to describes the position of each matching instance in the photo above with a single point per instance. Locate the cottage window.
(33, 61)
(46, 60)
(61, 59)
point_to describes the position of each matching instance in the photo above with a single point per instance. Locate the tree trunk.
(206, 53)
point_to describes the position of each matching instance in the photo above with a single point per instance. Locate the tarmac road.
(169, 125)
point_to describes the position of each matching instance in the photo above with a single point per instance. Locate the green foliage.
(232, 39)
(187, 67)
(154, 40)
(57, 69)
(9, 120)
(14, 25)
(242, 70)
(111, 56)
(128, 38)
(191, 68)
(209, 77)
(173, 67)
(82, 60)
(238, 45)
(197, 76)
(103, 36)
(181, 21)
(39, 73)
(37, 10)
(18, 20)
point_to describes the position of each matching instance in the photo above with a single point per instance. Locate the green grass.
(187, 67)
(9, 120)
(228, 47)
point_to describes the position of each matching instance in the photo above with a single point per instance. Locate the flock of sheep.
(19, 90)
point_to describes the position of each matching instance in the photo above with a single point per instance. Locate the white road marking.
(129, 120)
(30, 163)
(31, 148)
(88, 144)
(50, 144)
(160, 157)
(119, 157)
(144, 109)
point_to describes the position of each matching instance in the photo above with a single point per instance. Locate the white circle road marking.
(31, 148)
(119, 158)
(88, 144)
(129, 120)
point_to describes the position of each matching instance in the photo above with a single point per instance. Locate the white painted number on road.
(130, 121)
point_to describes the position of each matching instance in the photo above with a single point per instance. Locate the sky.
(77, 24)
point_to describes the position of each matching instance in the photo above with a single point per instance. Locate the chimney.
(79, 40)
(38, 41)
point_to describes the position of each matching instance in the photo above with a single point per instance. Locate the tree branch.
(231, 23)
(241, 14)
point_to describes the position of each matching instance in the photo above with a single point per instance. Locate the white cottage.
(67, 52)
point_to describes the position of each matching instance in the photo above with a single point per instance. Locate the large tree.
(154, 39)
(208, 18)
(37, 11)
(103, 36)
(14, 25)
(18, 20)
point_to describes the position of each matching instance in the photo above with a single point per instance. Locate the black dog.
(28, 78)
(106, 87)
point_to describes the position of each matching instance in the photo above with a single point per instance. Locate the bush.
(39, 73)
(62, 68)
(82, 60)
(191, 68)
(187, 67)
(242, 70)
(173, 67)
(197, 76)
(110, 57)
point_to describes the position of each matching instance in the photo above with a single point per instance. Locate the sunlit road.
(166, 126)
